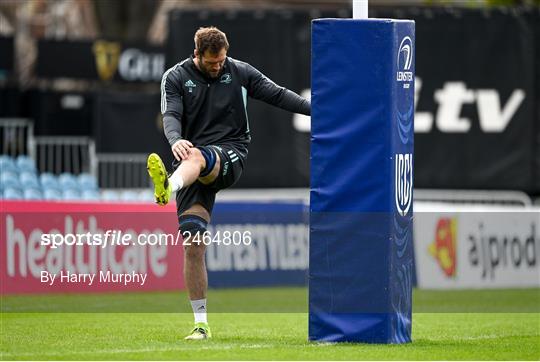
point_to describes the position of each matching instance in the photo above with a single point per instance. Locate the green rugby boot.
(201, 331)
(158, 174)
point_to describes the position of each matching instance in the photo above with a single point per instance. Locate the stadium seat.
(110, 195)
(87, 182)
(130, 196)
(90, 195)
(29, 180)
(4, 158)
(52, 194)
(49, 181)
(6, 172)
(3, 172)
(7, 164)
(10, 180)
(71, 194)
(147, 195)
(68, 181)
(25, 164)
(12, 194)
(32, 194)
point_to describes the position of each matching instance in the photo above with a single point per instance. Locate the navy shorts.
(232, 163)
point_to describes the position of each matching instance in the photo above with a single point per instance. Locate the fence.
(17, 135)
(120, 170)
(57, 154)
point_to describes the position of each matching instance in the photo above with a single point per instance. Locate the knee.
(193, 228)
(197, 158)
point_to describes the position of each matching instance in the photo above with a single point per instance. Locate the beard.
(210, 74)
(207, 73)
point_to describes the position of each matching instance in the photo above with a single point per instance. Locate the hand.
(180, 149)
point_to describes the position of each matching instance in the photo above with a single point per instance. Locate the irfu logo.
(404, 182)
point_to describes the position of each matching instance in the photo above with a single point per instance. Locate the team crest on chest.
(226, 78)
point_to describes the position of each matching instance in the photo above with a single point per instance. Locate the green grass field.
(464, 325)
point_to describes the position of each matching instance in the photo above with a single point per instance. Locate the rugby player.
(204, 108)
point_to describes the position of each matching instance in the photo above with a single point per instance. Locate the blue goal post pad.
(361, 252)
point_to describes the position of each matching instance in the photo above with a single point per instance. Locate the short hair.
(211, 39)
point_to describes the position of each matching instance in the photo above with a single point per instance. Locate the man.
(203, 102)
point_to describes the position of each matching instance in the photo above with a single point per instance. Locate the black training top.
(213, 111)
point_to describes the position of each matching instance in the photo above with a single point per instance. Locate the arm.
(262, 88)
(172, 109)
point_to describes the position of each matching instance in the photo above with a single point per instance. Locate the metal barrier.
(57, 154)
(485, 197)
(17, 135)
(120, 170)
(491, 197)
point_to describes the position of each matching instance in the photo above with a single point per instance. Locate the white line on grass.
(194, 346)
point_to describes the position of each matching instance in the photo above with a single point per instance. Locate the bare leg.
(195, 274)
(190, 169)
(196, 279)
